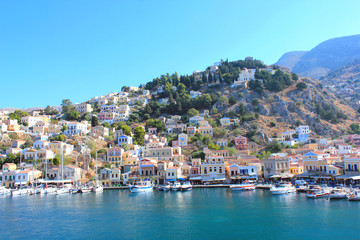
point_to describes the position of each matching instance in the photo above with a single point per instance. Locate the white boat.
(61, 191)
(50, 190)
(144, 186)
(98, 188)
(354, 196)
(246, 186)
(301, 185)
(283, 188)
(167, 187)
(21, 192)
(176, 186)
(318, 194)
(338, 193)
(4, 191)
(85, 189)
(186, 186)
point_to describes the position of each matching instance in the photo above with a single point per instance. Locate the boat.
(98, 188)
(301, 186)
(176, 186)
(160, 188)
(354, 196)
(4, 191)
(50, 190)
(186, 186)
(283, 188)
(245, 186)
(85, 189)
(21, 192)
(144, 186)
(338, 193)
(318, 194)
(167, 187)
(60, 191)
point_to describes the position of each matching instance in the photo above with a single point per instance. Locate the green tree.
(17, 115)
(192, 112)
(160, 126)
(274, 147)
(232, 100)
(60, 138)
(301, 86)
(94, 121)
(139, 134)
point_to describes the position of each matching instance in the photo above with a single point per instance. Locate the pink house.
(241, 143)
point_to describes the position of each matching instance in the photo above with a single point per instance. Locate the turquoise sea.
(198, 214)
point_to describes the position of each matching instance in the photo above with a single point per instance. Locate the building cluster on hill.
(109, 138)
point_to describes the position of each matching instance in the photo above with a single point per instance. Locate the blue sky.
(52, 50)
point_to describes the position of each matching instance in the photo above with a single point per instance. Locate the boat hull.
(140, 189)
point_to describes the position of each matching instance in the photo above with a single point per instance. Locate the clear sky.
(52, 50)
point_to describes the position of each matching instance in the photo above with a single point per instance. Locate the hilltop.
(324, 58)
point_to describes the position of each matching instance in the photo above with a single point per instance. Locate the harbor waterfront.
(204, 213)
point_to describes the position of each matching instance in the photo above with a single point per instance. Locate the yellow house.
(9, 167)
(206, 131)
(296, 168)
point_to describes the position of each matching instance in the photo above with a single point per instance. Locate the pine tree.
(210, 78)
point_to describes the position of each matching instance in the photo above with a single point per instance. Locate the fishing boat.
(318, 194)
(283, 188)
(144, 186)
(186, 186)
(98, 189)
(245, 186)
(338, 193)
(176, 186)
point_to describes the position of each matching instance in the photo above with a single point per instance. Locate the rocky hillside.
(345, 83)
(325, 57)
(275, 112)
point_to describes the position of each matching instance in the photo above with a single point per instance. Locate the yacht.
(283, 188)
(4, 191)
(245, 186)
(301, 185)
(176, 186)
(21, 192)
(85, 189)
(98, 188)
(338, 193)
(50, 190)
(60, 191)
(186, 186)
(144, 186)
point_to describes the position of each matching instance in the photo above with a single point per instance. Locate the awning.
(22, 183)
(219, 179)
(355, 178)
(195, 178)
(170, 180)
(343, 177)
(283, 175)
(182, 179)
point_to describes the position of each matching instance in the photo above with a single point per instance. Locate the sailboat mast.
(62, 166)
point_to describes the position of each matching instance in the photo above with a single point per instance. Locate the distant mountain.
(290, 59)
(325, 57)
